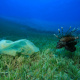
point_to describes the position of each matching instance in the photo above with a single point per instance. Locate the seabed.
(48, 64)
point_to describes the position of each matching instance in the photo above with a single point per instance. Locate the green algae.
(48, 64)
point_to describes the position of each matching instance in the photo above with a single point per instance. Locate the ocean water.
(38, 21)
(42, 14)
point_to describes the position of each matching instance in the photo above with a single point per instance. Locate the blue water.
(42, 14)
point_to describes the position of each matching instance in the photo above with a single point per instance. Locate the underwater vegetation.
(43, 65)
(67, 40)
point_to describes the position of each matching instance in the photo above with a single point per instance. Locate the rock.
(22, 46)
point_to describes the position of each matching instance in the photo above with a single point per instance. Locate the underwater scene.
(39, 39)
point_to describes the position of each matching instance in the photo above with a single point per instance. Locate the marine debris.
(67, 40)
(14, 48)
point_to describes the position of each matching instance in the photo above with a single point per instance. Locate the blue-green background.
(42, 14)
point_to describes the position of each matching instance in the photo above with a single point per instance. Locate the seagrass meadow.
(47, 64)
